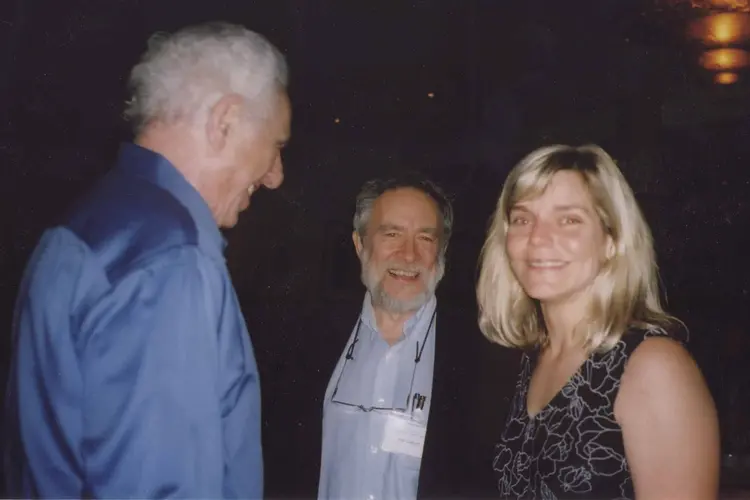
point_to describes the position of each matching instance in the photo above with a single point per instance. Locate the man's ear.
(223, 117)
(357, 243)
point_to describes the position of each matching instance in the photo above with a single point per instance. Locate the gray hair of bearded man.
(182, 75)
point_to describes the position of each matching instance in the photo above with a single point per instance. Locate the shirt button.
(373, 449)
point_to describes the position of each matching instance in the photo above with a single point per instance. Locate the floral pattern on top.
(573, 448)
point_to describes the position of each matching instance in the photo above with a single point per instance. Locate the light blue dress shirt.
(353, 464)
(133, 375)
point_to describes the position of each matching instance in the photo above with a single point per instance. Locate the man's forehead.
(406, 207)
(406, 196)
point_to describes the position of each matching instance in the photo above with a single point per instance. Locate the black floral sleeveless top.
(573, 448)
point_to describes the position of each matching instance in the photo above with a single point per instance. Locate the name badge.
(403, 435)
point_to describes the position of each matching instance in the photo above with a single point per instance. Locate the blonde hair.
(624, 294)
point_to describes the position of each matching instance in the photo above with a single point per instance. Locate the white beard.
(381, 298)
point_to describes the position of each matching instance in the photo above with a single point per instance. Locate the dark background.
(457, 89)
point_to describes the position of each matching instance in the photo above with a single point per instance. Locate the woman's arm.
(669, 424)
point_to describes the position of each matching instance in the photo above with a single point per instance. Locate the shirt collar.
(146, 164)
(416, 323)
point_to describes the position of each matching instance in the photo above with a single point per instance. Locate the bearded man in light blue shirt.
(378, 399)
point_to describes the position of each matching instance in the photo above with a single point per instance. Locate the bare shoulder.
(660, 356)
(659, 369)
(668, 422)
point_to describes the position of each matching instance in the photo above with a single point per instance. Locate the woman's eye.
(572, 220)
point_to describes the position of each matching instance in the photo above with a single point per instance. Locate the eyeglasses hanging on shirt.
(417, 401)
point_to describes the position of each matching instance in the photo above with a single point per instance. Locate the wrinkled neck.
(391, 325)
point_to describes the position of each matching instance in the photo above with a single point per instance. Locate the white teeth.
(251, 190)
(406, 274)
(546, 263)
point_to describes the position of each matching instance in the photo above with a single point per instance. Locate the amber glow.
(724, 59)
(721, 29)
(743, 5)
(733, 5)
(725, 78)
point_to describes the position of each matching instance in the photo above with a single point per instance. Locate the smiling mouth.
(546, 264)
(403, 275)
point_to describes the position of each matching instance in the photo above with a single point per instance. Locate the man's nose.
(275, 176)
(408, 251)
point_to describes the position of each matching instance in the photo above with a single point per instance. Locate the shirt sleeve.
(151, 409)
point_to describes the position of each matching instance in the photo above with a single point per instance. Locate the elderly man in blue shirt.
(133, 375)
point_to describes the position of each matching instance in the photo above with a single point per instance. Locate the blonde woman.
(609, 404)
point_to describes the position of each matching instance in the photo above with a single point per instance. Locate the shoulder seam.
(152, 260)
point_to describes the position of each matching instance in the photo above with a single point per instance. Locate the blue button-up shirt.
(133, 374)
(353, 463)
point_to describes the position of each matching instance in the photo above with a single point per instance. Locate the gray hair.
(181, 75)
(373, 189)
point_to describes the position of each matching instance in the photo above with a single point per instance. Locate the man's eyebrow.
(390, 227)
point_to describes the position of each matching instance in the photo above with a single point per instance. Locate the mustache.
(406, 269)
(400, 266)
